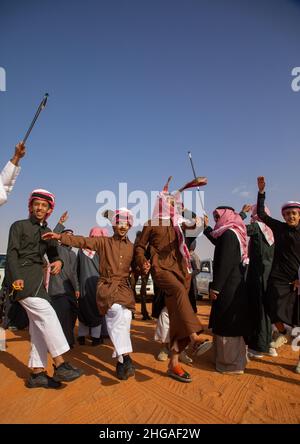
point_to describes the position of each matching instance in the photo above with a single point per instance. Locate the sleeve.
(92, 243)
(243, 215)
(73, 272)
(142, 245)
(207, 233)
(52, 252)
(251, 229)
(58, 228)
(78, 268)
(13, 249)
(3, 194)
(226, 257)
(8, 177)
(274, 224)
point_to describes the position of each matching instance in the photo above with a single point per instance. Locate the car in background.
(2, 267)
(204, 278)
(149, 288)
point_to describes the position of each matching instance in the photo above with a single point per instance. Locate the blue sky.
(136, 84)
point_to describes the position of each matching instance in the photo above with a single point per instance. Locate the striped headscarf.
(230, 220)
(44, 195)
(122, 215)
(289, 205)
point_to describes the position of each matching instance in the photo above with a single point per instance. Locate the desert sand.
(268, 392)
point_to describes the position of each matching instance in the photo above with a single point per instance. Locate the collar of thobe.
(293, 228)
(124, 239)
(296, 228)
(34, 221)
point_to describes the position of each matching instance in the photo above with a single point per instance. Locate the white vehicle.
(2, 267)
(149, 288)
(205, 277)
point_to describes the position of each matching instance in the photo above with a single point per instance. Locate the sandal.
(179, 374)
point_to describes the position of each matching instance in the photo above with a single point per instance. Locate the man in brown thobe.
(171, 274)
(115, 298)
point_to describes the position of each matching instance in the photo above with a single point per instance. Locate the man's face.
(40, 209)
(216, 216)
(292, 217)
(121, 228)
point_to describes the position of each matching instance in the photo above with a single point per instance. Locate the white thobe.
(118, 320)
(45, 331)
(8, 178)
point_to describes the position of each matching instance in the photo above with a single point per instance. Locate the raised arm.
(207, 231)
(92, 243)
(10, 173)
(274, 224)
(60, 226)
(243, 213)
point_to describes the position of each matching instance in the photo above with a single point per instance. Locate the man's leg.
(162, 334)
(118, 320)
(38, 352)
(48, 329)
(38, 356)
(63, 306)
(83, 331)
(143, 295)
(175, 370)
(281, 337)
(95, 335)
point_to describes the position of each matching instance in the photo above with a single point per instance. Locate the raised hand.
(246, 208)
(20, 151)
(261, 184)
(63, 218)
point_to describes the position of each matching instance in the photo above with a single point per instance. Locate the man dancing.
(171, 271)
(115, 298)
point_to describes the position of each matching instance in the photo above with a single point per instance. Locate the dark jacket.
(25, 257)
(229, 312)
(282, 300)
